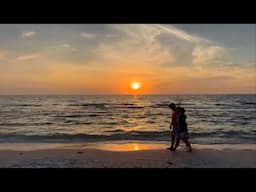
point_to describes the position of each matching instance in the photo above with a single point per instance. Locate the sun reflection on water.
(129, 147)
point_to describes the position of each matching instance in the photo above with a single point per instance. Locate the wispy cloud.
(69, 46)
(150, 31)
(28, 56)
(28, 34)
(178, 33)
(87, 35)
(66, 45)
(211, 55)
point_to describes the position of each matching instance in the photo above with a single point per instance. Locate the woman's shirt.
(182, 124)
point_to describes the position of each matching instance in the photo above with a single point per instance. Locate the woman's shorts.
(173, 132)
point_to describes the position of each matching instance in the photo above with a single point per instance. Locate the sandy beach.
(126, 155)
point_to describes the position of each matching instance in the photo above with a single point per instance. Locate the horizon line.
(177, 94)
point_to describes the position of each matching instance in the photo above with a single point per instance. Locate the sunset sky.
(107, 58)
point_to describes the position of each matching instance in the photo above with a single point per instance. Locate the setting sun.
(135, 85)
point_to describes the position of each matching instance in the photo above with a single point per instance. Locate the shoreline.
(126, 155)
(124, 145)
(121, 146)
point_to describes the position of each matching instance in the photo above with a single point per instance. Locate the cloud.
(212, 78)
(66, 45)
(28, 56)
(134, 43)
(204, 52)
(28, 34)
(154, 44)
(210, 55)
(240, 65)
(180, 34)
(150, 31)
(69, 46)
(87, 35)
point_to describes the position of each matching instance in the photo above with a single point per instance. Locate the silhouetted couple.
(179, 128)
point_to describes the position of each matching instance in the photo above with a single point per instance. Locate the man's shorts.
(183, 135)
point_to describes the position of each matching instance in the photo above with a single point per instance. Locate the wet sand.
(129, 155)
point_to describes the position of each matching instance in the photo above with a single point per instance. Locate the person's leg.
(177, 143)
(173, 140)
(187, 144)
(170, 148)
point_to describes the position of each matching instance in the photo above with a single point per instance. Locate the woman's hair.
(172, 105)
(181, 110)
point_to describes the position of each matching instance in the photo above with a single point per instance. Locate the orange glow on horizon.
(74, 79)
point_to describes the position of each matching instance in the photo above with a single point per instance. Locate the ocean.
(212, 119)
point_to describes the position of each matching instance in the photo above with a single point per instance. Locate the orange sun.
(135, 85)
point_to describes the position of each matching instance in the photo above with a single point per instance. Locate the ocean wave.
(182, 104)
(127, 104)
(160, 105)
(114, 131)
(224, 104)
(99, 105)
(119, 134)
(77, 115)
(142, 135)
(248, 103)
(24, 124)
(24, 105)
(151, 121)
(108, 105)
(135, 107)
(73, 122)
